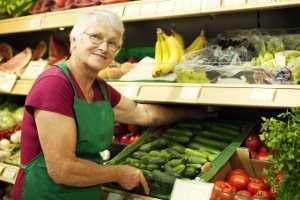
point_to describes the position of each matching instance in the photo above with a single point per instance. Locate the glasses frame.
(97, 41)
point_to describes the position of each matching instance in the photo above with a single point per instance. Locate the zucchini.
(179, 169)
(195, 145)
(190, 172)
(179, 132)
(139, 154)
(191, 152)
(195, 160)
(154, 153)
(174, 153)
(215, 135)
(211, 142)
(162, 177)
(178, 147)
(175, 162)
(156, 160)
(156, 144)
(176, 138)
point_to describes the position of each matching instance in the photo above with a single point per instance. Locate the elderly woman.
(69, 119)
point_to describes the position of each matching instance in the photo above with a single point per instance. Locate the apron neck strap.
(103, 90)
(64, 68)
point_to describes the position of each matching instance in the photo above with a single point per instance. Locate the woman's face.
(98, 45)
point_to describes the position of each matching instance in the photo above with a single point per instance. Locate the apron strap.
(102, 90)
(64, 68)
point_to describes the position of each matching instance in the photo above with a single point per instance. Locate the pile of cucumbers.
(181, 150)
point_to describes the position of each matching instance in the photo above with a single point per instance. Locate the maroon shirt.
(53, 92)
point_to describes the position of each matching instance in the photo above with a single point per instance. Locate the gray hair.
(88, 18)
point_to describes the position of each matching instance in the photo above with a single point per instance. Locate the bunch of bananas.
(169, 51)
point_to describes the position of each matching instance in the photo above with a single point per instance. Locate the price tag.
(9, 173)
(148, 8)
(189, 5)
(35, 23)
(7, 81)
(280, 60)
(262, 94)
(189, 93)
(234, 2)
(132, 10)
(118, 10)
(165, 6)
(114, 196)
(34, 69)
(189, 190)
(211, 4)
(131, 91)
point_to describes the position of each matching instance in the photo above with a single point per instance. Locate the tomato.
(60, 3)
(223, 186)
(253, 154)
(235, 172)
(252, 142)
(125, 139)
(265, 181)
(279, 177)
(262, 155)
(263, 149)
(255, 185)
(262, 195)
(242, 195)
(239, 181)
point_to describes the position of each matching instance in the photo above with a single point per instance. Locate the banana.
(178, 37)
(162, 55)
(197, 44)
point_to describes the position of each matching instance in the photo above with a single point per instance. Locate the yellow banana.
(158, 50)
(163, 56)
(197, 44)
(178, 37)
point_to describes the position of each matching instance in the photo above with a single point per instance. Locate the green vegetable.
(189, 125)
(224, 130)
(156, 144)
(191, 152)
(155, 160)
(176, 138)
(162, 177)
(209, 149)
(190, 172)
(195, 160)
(151, 167)
(178, 147)
(175, 162)
(179, 132)
(282, 136)
(174, 153)
(138, 154)
(216, 135)
(211, 142)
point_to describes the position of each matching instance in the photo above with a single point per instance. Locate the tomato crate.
(183, 150)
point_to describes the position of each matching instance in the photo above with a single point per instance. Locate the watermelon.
(6, 51)
(40, 50)
(57, 49)
(17, 62)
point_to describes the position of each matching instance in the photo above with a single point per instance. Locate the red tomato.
(125, 139)
(279, 176)
(265, 181)
(262, 195)
(253, 154)
(235, 172)
(262, 155)
(239, 181)
(255, 185)
(60, 3)
(242, 195)
(263, 149)
(252, 142)
(223, 186)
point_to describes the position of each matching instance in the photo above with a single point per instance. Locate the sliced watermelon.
(17, 62)
(6, 51)
(40, 50)
(57, 49)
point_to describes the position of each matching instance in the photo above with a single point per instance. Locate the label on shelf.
(34, 69)
(189, 189)
(280, 60)
(35, 22)
(189, 5)
(7, 81)
(167, 6)
(234, 2)
(115, 196)
(148, 8)
(211, 4)
(131, 91)
(9, 173)
(189, 93)
(132, 10)
(263, 94)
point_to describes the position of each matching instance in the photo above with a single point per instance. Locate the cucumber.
(209, 149)
(224, 130)
(189, 125)
(190, 172)
(195, 160)
(217, 136)
(139, 154)
(212, 157)
(197, 166)
(147, 174)
(179, 132)
(133, 162)
(170, 171)
(179, 139)
(191, 152)
(178, 147)
(154, 153)
(175, 162)
(152, 167)
(156, 144)
(156, 160)
(174, 153)
(179, 169)
(165, 154)
(211, 142)
(162, 177)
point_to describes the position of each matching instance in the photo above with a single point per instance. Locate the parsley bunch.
(282, 135)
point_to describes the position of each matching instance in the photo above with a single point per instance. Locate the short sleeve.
(51, 93)
(113, 95)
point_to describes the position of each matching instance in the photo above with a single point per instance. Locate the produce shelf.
(139, 11)
(8, 173)
(273, 96)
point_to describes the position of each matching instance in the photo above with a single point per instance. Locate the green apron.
(94, 123)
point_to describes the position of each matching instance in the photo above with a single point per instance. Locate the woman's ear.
(72, 44)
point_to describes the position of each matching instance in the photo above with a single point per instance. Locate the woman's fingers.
(144, 183)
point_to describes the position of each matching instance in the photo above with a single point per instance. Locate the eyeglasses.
(99, 39)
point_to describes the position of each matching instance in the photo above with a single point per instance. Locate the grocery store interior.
(238, 59)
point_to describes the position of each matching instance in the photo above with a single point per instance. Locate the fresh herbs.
(282, 136)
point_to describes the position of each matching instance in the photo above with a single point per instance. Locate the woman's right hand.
(130, 177)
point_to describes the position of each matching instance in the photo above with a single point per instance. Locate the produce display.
(239, 186)
(257, 148)
(15, 8)
(126, 134)
(179, 151)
